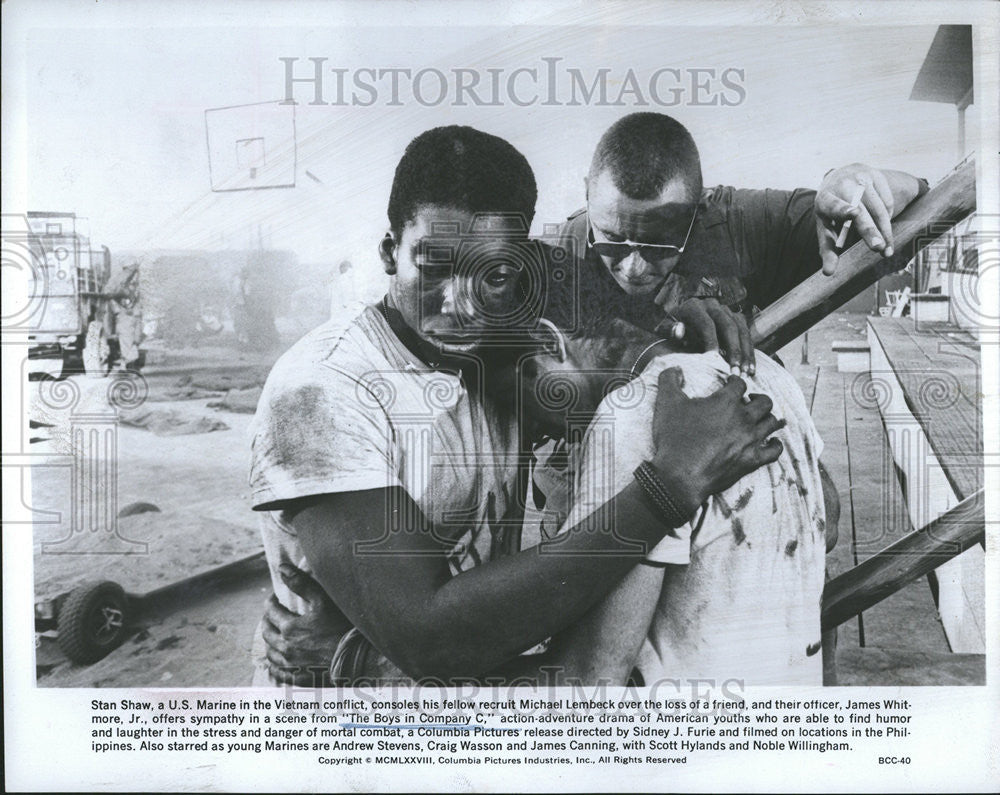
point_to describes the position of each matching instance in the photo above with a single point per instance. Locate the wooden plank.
(955, 350)
(906, 667)
(940, 344)
(800, 308)
(828, 414)
(909, 617)
(929, 353)
(942, 391)
(930, 493)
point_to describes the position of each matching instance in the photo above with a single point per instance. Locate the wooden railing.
(920, 552)
(859, 267)
(908, 559)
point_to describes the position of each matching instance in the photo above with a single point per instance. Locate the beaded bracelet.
(659, 497)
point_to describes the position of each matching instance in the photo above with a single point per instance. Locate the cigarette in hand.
(846, 228)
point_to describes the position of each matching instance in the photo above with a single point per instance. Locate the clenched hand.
(301, 647)
(704, 445)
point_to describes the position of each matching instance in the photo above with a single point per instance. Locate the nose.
(455, 300)
(633, 266)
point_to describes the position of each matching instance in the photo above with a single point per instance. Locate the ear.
(387, 253)
(555, 339)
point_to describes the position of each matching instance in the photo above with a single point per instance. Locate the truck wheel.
(92, 621)
(96, 351)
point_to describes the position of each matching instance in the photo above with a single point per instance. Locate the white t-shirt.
(742, 598)
(350, 408)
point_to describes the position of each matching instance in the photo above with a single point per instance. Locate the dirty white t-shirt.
(350, 408)
(743, 582)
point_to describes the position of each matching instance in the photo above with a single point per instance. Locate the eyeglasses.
(651, 252)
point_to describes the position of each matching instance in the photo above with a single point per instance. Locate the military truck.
(81, 304)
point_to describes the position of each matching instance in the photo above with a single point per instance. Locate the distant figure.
(126, 313)
(254, 313)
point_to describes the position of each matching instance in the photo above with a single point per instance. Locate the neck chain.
(635, 367)
(408, 337)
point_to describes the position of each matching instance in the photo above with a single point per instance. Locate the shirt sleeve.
(618, 440)
(319, 436)
(777, 235)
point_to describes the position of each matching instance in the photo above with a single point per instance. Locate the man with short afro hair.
(464, 168)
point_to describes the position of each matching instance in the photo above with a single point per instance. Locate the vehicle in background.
(88, 318)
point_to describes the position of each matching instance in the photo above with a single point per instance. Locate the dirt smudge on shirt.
(723, 506)
(301, 417)
(738, 533)
(742, 500)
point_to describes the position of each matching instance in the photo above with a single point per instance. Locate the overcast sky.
(116, 129)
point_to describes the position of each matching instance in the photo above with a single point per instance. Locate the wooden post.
(921, 223)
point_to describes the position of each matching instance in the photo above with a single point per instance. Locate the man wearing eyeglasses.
(663, 243)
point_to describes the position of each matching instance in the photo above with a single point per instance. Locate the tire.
(96, 351)
(92, 621)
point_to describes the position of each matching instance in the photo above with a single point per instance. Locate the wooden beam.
(921, 223)
(899, 564)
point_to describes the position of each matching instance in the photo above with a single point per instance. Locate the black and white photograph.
(500, 396)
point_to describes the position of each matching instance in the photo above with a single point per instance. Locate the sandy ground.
(193, 635)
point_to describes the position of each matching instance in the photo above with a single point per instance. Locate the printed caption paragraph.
(508, 731)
